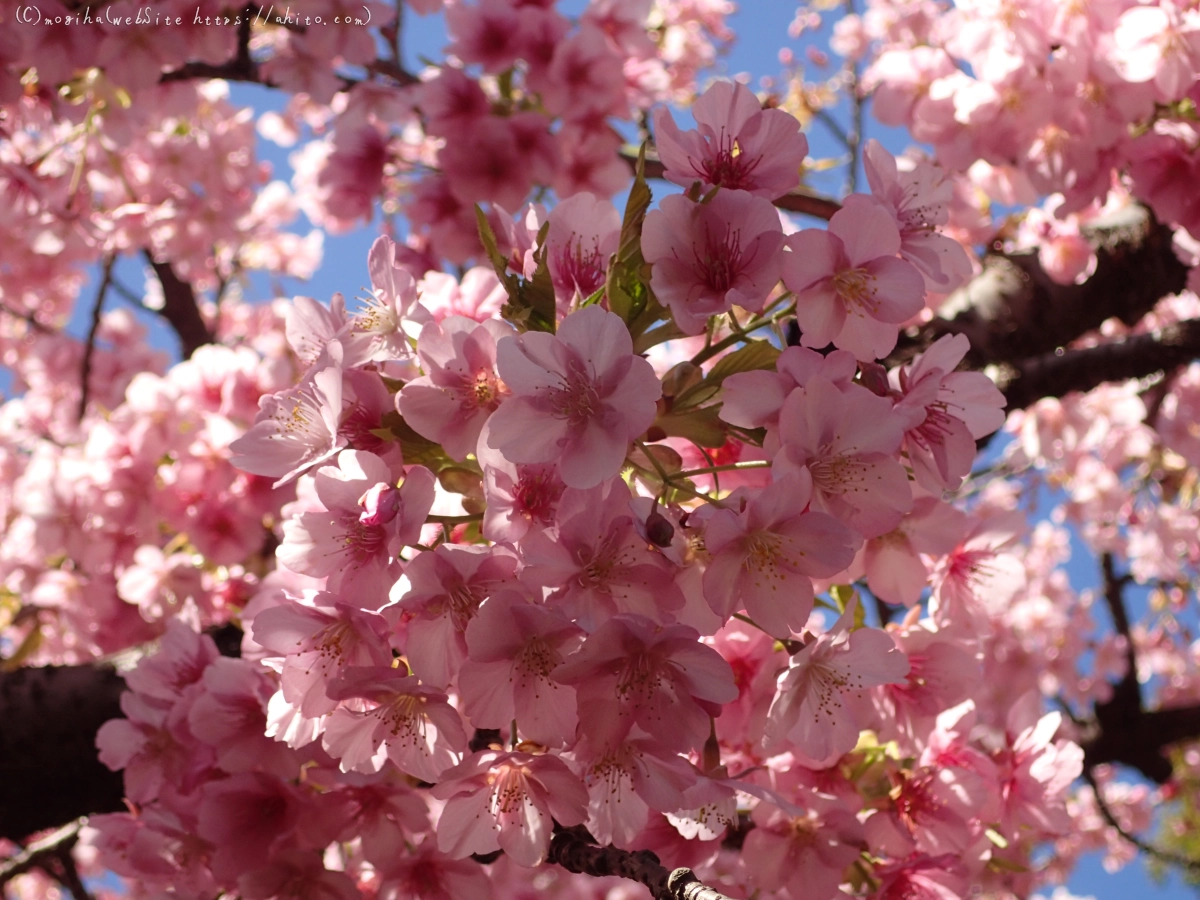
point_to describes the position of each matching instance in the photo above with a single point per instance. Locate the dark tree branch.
(1013, 312)
(49, 772)
(572, 849)
(180, 308)
(59, 864)
(241, 68)
(1125, 732)
(32, 856)
(89, 347)
(1136, 356)
(1126, 693)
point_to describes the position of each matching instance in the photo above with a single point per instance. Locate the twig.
(27, 318)
(59, 864)
(31, 856)
(854, 137)
(126, 293)
(89, 347)
(1114, 597)
(1146, 847)
(241, 68)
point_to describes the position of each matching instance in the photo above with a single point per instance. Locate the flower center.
(719, 262)
(857, 289)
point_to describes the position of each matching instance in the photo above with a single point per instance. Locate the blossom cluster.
(579, 550)
(587, 536)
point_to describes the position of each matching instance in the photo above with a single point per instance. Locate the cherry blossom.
(817, 707)
(508, 801)
(764, 558)
(738, 146)
(850, 287)
(710, 256)
(578, 397)
(450, 403)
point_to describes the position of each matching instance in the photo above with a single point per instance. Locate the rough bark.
(572, 849)
(49, 773)
(1017, 318)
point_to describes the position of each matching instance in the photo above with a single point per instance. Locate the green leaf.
(417, 450)
(753, 356)
(465, 482)
(627, 285)
(499, 261)
(537, 293)
(392, 384)
(700, 426)
(531, 304)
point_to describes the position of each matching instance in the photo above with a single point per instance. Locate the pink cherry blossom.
(764, 557)
(459, 389)
(584, 232)
(711, 256)
(754, 399)
(507, 801)
(850, 288)
(631, 671)
(378, 332)
(579, 397)
(388, 715)
(351, 546)
(845, 440)
(626, 781)
(819, 705)
(295, 430)
(446, 588)
(513, 647)
(802, 856)
(919, 200)
(959, 408)
(597, 565)
(738, 146)
(518, 497)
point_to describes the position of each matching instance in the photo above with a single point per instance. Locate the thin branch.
(89, 347)
(59, 864)
(32, 855)
(826, 118)
(572, 849)
(854, 137)
(28, 318)
(1149, 849)
(241, 68)
(126, 293)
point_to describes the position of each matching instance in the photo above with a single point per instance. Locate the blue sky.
(762, 30)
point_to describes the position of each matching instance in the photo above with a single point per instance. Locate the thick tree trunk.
(49, 773)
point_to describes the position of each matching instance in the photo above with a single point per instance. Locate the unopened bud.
(659, 530)
(379, 505)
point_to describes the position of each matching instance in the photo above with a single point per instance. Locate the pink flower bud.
(379, 505)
